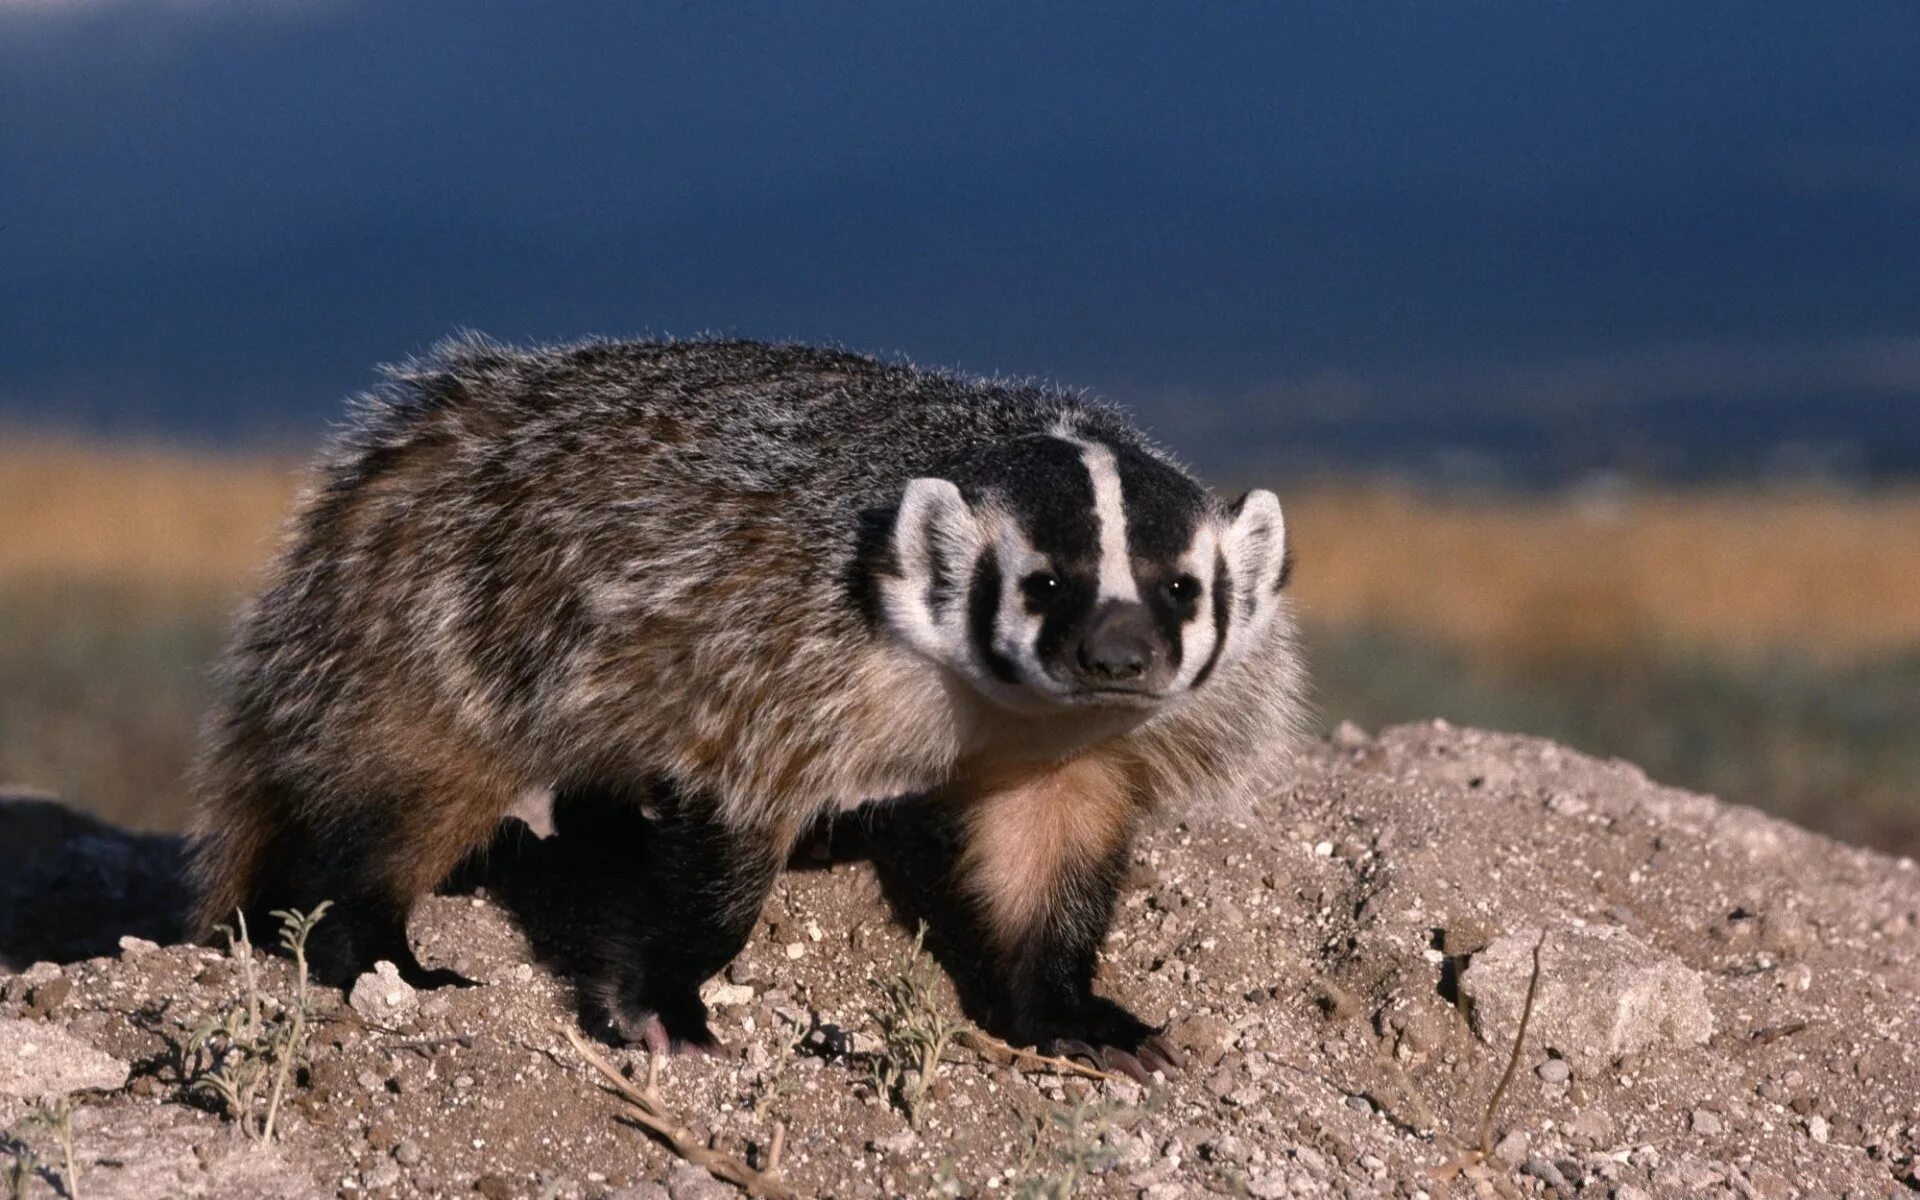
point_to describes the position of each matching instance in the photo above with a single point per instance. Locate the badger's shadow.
(556, 887)
(71, 886)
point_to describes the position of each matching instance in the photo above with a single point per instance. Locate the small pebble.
(732, 995)
(494, 1187)
(1554, 1070)
(381, 1175)
(380, 994)
(1272, 1186)
(47, 998)
(1706, 1121)
(1512, 1149)
(407, 1152)
(902, 1142)
(1547, 1173)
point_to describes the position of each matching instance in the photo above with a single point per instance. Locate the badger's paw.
(652, 1031)
(678, 1026)
(428, 979)
(1109, 1037)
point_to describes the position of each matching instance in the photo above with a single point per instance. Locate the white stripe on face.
(1110, 510)
(1201, 631)
(1016, 632)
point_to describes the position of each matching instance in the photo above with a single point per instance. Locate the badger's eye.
(1183, 590)
(1040, 585)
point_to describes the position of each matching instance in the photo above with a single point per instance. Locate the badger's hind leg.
(1042, 859)
(678, 892)
(366, 916)
(372, 897)
(369, 856)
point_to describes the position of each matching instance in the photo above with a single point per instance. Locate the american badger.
(742, 586)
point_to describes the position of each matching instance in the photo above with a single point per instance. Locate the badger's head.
(1064, 570)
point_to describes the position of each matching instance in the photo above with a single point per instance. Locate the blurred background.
(1581, 341)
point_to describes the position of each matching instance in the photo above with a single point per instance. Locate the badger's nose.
(1117, 647)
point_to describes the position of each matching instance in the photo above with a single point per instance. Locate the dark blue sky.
(1552, 228)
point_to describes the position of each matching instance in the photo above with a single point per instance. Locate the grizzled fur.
(671, 574)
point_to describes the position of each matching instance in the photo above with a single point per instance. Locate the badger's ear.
(936, 537)
(1258, 556)
(934, 533)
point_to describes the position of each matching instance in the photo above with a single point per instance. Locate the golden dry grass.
(1824, 574)
(1827, 574)
(167, 523)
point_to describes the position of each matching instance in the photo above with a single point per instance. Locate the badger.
(741, 587)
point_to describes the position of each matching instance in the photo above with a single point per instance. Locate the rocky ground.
(1723, 1005)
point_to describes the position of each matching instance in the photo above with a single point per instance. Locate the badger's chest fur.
(742, 586)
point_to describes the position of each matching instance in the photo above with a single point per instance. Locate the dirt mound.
(1722, 1005)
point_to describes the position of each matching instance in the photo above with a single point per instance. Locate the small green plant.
(251, 1054)
(24, 1164)
(914, 1033)
(57, 1118)
(1070, 1143)
(779, 1081)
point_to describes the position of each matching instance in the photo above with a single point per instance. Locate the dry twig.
(1467, 1159)
(649, 1111)
(986, 1043)
(1513, 1059)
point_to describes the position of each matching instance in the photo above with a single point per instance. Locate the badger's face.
(1066, 571)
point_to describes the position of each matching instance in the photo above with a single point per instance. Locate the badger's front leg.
(1044, 853)
(683, 905)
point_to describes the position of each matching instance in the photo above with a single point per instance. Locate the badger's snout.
(1119, 648)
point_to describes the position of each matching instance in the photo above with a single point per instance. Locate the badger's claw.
(643, 1028)
(1150, 1054)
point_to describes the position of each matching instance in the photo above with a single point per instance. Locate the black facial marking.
(1169, 615)
(983, 606)
(1042, 482)
(1222, 614)
(1164, 506)
(1041, 589)
(1064, 615)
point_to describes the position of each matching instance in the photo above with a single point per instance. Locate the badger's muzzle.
(1119, 650)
